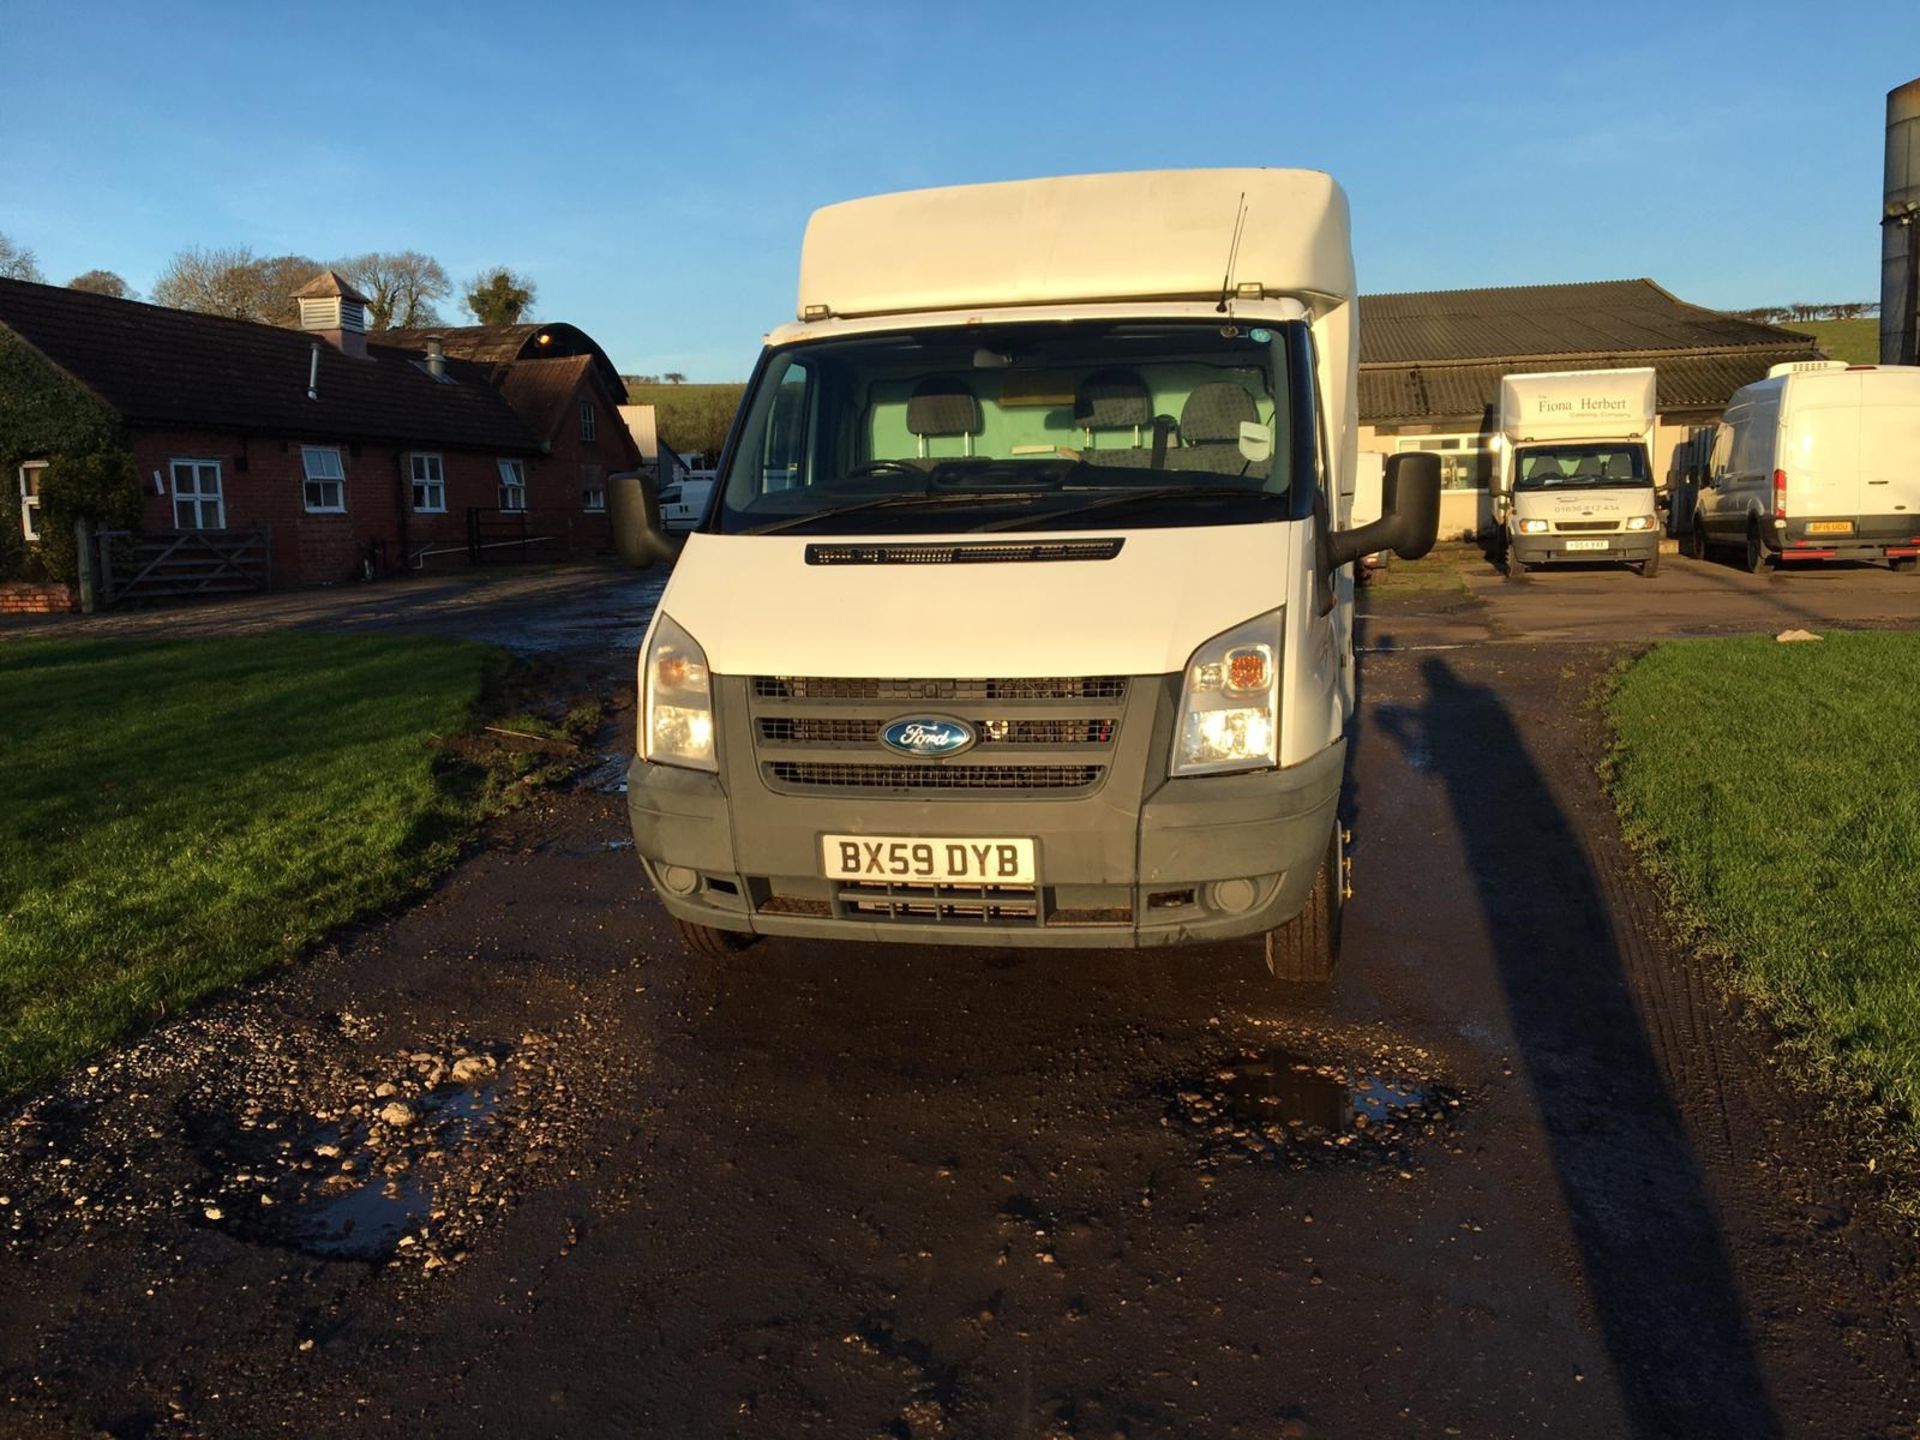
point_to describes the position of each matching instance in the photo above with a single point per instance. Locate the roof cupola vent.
(335, 311)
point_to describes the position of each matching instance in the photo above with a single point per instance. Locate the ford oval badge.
(927, 737)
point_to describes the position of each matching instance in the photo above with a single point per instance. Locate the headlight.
(676, 700)
(1533, 527)
(1639, 522)
(1230, 701)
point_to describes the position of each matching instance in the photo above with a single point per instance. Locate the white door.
(1890, 444)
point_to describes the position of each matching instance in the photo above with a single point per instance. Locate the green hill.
(692, 419)
(1855, 341)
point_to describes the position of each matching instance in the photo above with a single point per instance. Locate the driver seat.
(941, 407)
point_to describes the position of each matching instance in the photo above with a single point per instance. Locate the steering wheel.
(884, 467)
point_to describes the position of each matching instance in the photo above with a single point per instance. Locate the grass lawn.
(1442, 571)
(177, 817)
(1778, 788)
(1855, 341)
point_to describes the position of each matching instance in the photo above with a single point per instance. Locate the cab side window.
(1722, 454)
(784, 449)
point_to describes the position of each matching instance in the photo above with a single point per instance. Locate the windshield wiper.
(884, 502)
(1130, 496)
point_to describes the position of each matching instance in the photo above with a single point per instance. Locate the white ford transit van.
(1819, 461)
(1575, 480)
(1020, 616)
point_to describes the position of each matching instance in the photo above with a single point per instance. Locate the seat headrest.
(1112, 400)
(940, 406)
(1215, 412)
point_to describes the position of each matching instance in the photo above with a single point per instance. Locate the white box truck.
(1819, 461)
(1021, 617)
(1575, 478)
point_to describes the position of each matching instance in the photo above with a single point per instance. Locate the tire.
(1755, 558)
(1903, 562)
(1650, 566)
(1697, 538)
(710, 943)
(1516, 569)
(1302, 951)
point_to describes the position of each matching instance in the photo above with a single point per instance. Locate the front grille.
(815, 735)
(819, 730)
(908, 692)
(996, 553)
(828, 775)
(1577, 525)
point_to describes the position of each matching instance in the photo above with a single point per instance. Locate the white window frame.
(587, 421)
(593, 498)
(436, 480)
(30, 503)
(1453, 448)
(338, 479)
(513, 485)
(193, 465)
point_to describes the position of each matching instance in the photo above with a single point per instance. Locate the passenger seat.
(1110, 400)
(1210, 424)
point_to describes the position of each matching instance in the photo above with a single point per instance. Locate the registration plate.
(1586, 544)
(927, 860)
(1830, 527)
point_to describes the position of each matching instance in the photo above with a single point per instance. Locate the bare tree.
(499, 296)
(103, 282)
(401, 287)
(674, 377)
(17, 262)
(233, 281)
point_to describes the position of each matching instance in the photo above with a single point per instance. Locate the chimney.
(336, 312)
(436, 357)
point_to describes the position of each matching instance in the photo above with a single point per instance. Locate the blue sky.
(652, 166)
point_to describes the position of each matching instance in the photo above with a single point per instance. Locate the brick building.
(363, 454)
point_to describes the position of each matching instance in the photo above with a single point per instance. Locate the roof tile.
(161, 367)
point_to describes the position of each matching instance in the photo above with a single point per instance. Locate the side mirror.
(1410, 518)
(633, 507)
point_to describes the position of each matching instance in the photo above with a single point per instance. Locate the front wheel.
(1302, 951)
(1650, 566)
(1516, 568)
(710, 942)
(1697, 538)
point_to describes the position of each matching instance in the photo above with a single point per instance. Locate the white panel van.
(1021, 615)
(1819, 461)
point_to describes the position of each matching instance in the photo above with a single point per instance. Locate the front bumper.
(1116, 869)
(1622, 547)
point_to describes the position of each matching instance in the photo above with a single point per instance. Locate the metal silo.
(1900, 230)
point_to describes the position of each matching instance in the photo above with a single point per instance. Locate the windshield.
(1581, 467)
(1068, 425)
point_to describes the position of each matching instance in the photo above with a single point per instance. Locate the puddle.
(1281, 1106)
(608, 776)
(365, 1223)
(329, 1191)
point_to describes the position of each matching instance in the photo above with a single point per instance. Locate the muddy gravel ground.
(513, 1163)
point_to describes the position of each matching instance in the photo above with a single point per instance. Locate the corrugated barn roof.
(1439, 355)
